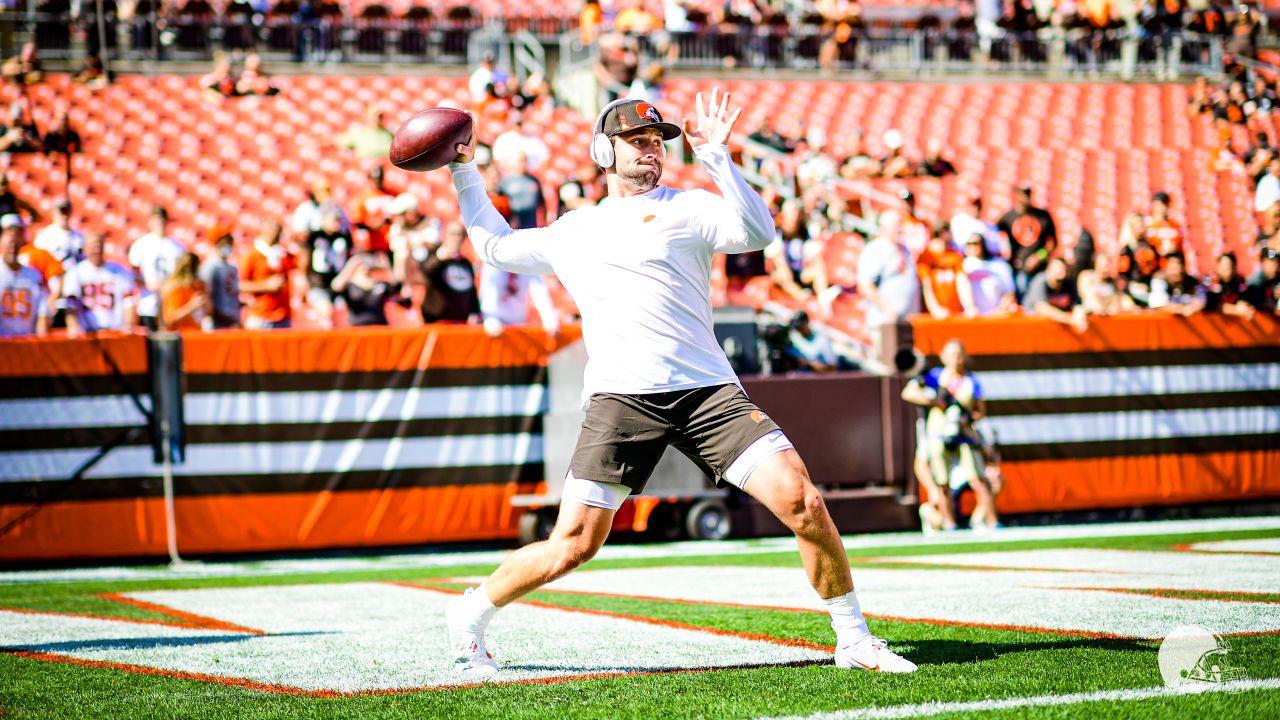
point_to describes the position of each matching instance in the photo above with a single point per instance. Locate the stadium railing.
(424, 38)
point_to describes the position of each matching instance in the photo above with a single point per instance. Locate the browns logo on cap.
(635, 114)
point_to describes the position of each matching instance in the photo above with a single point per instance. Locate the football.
(427, 140)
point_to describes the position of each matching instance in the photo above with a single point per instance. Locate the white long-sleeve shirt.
(639, 269)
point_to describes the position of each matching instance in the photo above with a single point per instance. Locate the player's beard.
(641, 176)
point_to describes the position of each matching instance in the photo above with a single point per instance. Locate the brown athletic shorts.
(624, 436)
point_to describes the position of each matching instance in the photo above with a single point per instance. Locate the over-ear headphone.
(601, 148)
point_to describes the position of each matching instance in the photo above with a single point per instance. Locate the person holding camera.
(953, 449)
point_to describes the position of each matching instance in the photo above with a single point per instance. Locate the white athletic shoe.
(872, 653)
(470, 657)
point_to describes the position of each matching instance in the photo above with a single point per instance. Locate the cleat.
(470, 657)
(872, 653)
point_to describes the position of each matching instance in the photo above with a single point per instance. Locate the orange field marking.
(777, 608)
(189, 619)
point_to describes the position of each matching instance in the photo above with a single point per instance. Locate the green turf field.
(1022, 625)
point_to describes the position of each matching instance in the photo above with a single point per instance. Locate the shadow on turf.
(147, 643)
(952, 652)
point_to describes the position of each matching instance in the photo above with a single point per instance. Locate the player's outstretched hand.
(713, 122)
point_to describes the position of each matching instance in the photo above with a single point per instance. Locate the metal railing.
(948, 52)
(427, 39)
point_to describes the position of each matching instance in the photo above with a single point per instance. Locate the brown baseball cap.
(633, 115)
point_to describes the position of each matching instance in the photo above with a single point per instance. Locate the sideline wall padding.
(1139, 410)
(303, 439)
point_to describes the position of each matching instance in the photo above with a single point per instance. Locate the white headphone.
(601, 148)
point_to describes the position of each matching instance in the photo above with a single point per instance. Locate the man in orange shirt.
(42, 261)
(265, 277)
(371, 215)
(939, 265)
(1163, 233)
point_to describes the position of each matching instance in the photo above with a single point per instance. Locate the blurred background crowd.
(864, 238)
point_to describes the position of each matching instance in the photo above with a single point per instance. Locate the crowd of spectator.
(979, 263)
(342, 268)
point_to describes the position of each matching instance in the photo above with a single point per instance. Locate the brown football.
(428, 140)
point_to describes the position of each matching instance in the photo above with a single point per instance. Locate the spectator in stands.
(504, 301)
(1245, 25)
(580, 189)
(11, 204)
(25, 307)
(99, 294)
(370, 211)
(24, 68)
(412, 234)
(1099, 287)
(635, 19)
(62, 138)
(252, 80)
(49, 267)
(798, 266)
(1262, 100)
(483, 82)
(887, 279)
(1267, 193)
(371, 140)
(810, 350)
(841, 28)
(265, 278)
(986, 285)
(939, 266)
(153, 257)
(1201, 101)
(222, 280)
(310, 212)
(184, 301)
(327, 251)
(895, 164)
(450, 280)
(1226, 292)
(1162, 232)
(59, 239)
(816, 168)
(1237, 104)
(523, 191)
(1264, 283)
(916, 230)
(1031, 236)
(934, 165)
(366, 286)
(92, 73)
(1052, 294)
(1258, 157)
(590, 19)
(516, 141)
(219, 83)
(1174, 291)
(1228, 106)
(617, 66)
(18, 135)
(1139, 260)
(968, 222)
(859, 165)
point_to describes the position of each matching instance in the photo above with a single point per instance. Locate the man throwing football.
(639, 266)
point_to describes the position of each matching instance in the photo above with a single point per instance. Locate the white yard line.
(938, 708)
(626, 552)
